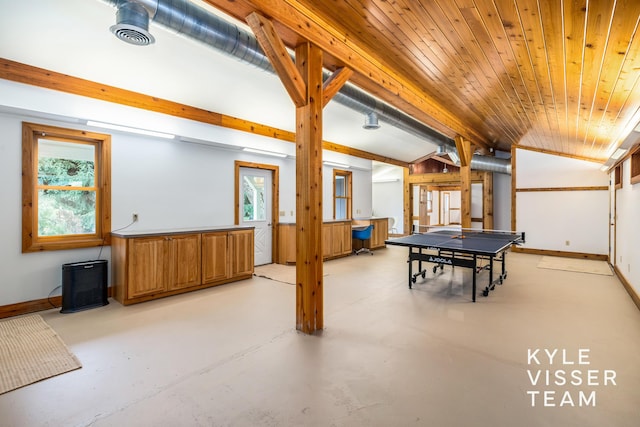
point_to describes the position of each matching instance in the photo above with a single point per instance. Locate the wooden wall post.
(465, 153)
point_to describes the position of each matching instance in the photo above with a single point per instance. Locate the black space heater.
(84, 285)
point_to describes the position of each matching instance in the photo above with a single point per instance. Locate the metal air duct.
(185, 18)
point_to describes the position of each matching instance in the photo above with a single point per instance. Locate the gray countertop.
(186, 230)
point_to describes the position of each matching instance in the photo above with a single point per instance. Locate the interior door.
(255, 210)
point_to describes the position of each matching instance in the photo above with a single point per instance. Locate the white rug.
(576, 264)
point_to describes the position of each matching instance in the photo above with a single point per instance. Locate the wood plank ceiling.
(555, 75)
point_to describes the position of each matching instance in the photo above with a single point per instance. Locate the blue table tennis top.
(464, 241)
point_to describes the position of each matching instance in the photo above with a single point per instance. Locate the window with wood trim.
(341, 194)
(635, 166)
(66, 188)
(617, 176)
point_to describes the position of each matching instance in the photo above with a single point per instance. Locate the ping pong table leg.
(410, 261)
(504, 268)
(475, 272)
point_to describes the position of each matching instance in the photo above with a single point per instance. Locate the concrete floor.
(389, 356)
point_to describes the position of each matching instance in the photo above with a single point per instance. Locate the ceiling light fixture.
(266, 153)
(618, 153)
(371, 121)
(338, 165)
(130, 129)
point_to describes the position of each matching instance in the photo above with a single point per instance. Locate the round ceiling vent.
(132, 24)
(132, 34)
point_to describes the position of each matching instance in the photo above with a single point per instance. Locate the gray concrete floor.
(388, 356)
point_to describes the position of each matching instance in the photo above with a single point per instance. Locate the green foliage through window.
(66, 188)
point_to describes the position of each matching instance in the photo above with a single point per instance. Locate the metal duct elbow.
(491, 164)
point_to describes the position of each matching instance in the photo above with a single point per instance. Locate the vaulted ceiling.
(555, 75)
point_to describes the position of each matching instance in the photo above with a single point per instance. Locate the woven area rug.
(31, 351)
(277, 272)
(576, 264)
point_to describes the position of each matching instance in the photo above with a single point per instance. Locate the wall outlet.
(134, 217)
(567, 243)
(282, 213)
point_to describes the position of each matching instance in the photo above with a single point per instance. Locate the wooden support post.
(303, 82)
(407, 201)
(309, 268)
(487, 201)
(465, 153)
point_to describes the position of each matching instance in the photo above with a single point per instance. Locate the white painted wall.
(553, 218)
(501, 201)
(169, 183)
(627, 249)
(388, 196)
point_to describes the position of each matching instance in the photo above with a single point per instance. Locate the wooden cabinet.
(380, 232)
(147, 266)
(336, 241)
(154, 266)
(159, 264)
(184, 261)
(341, 239)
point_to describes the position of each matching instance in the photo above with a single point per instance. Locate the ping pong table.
(462, 248)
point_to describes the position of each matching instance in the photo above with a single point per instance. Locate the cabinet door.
(341, 237)
(241, 243)
(215, 258)
(346, 238)
(148, 270)
(327, 240)
(380, 232)
(185, 261)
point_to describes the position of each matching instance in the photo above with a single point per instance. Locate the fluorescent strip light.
(338, 165)
(130, 129)
(266, 153)
(376, 181)
(618, 153)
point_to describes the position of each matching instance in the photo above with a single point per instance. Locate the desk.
(459, 247)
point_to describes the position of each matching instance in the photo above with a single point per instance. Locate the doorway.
(255, 206)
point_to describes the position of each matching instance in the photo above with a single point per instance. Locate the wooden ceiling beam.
(369, 73)
(40, 77)
(465, 150)
(334, 83)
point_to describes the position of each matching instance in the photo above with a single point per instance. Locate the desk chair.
(362, 235)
